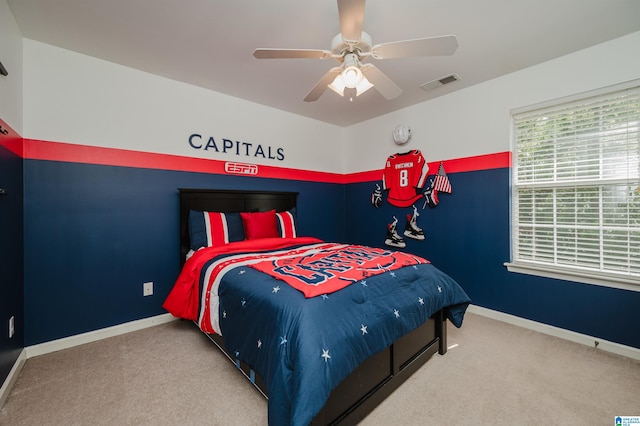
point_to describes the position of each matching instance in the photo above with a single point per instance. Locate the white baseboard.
(12, 377)
(69, 342)
(92, 336)
(583, 339)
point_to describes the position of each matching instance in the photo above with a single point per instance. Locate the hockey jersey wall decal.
(403, 177)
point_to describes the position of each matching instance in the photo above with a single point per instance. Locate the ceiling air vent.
(439, 82)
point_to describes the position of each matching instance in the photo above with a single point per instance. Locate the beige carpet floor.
(171, 374)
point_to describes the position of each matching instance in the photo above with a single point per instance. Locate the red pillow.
(260, 225)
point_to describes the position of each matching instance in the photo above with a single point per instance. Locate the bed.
(344, 350)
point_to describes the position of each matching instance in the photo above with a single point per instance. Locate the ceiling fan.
(352, 47)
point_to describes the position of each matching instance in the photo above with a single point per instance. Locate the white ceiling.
(209, 43)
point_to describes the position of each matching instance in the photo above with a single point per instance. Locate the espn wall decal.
(240, 168)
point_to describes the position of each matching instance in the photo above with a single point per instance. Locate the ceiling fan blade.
(432, 46)
(381, 82)
(291, 54)
(351, 14)
(321, 86)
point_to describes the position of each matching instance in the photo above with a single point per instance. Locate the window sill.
(586, 277)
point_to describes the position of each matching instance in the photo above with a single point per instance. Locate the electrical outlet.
(12, 328)
(147, 288)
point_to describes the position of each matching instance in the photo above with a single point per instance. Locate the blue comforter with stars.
(304, 347)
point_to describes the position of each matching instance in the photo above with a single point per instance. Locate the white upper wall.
(476, 120)
(11, 58)
(73, 98)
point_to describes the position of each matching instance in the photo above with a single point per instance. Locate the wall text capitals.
(227, 146)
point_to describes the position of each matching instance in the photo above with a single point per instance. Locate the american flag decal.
(441, 181)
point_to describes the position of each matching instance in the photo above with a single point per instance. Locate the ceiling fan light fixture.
(352, 45)
(363, 86)
(351, 76)
(339, 86)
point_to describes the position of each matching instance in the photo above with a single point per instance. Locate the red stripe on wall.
(479, 162)
(458, 165)
(369, 176)
(9, 139)
(57, 151)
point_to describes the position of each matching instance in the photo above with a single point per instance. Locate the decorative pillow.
(211, 229)
(260, 225)
(287, 223)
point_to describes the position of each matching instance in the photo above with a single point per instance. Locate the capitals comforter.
(305, 313)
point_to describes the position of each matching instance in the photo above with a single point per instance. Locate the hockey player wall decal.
(403, 182)
(403, 178)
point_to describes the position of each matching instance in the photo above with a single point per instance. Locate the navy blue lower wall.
(468, 237)
(11, 252)
(93, 234)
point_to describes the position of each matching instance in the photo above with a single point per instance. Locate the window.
(576, 189)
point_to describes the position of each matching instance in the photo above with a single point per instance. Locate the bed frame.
(378, 376)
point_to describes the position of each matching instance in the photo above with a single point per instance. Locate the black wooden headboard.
(227, 201)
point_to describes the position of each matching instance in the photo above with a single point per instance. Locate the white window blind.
(576, 187)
